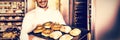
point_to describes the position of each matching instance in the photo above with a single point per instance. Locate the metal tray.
(84, 33)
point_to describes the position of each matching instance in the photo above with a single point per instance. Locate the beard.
(41, 6)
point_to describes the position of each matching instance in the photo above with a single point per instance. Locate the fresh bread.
(65, 29)
(48, 24)
(75, 32)
(56, 27)
(38, 30)
(46, 32)
(66, 37)
(55, 34)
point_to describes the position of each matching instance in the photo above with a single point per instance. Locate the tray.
(84, 33)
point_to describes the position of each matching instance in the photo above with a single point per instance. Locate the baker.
(41, 14)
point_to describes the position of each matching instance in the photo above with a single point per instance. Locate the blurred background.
(105, 19)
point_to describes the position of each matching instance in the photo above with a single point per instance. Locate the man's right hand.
(31, 37)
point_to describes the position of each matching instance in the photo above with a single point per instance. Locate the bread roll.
(10, 18)
(39, 26)
(2, 18)
(9, 23)
(46, 35)
(17, 18)
(2, 24)
(56, 27)
(18, 23)
(47, 24)
(18, 11)
(38, 30)
(66, 37)
(65, 29)
(7, 35)
(9, 11)
(3, 10)
(46, 32)
(75, 32)
(55, 34)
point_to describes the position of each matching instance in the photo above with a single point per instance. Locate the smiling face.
(42, 3)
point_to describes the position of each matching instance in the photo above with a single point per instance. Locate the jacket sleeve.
(26, 27)
(60, 18)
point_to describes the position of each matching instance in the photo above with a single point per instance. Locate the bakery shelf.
(78, 2)
(4, 5)
(12, 14)
(10, 20)
(4, 27)
(10, 25)
(12, 0)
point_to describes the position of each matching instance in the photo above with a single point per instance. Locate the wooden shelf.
(10, 20)
(12, 0)
(12, 14)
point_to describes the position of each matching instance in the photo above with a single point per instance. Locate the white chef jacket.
(39, 16)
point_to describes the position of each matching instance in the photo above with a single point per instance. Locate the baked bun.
(9, 23)
(17, 18)
(66, 37)
(46, 32)
(7, 35)
(9, 11)
(48, 24)
(2, 24)
(10, 18)
(55, 34)
(18, 11)
(56, 26)
(2, 18)
(3, 10)
(39, 26)
(75, 32)
(18, 23)
(65, 29)
(39, 29)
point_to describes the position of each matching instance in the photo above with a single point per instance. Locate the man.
(39, 15)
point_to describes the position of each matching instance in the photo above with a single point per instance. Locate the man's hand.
(31, 37)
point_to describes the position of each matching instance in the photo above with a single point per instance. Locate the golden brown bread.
(56, 27)
(46, 32)
(65, 29)
(66, 37)
(39, 30)
(75, 32)
(39, 26)
(9, 35)
(48, 24)
(55, 34)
